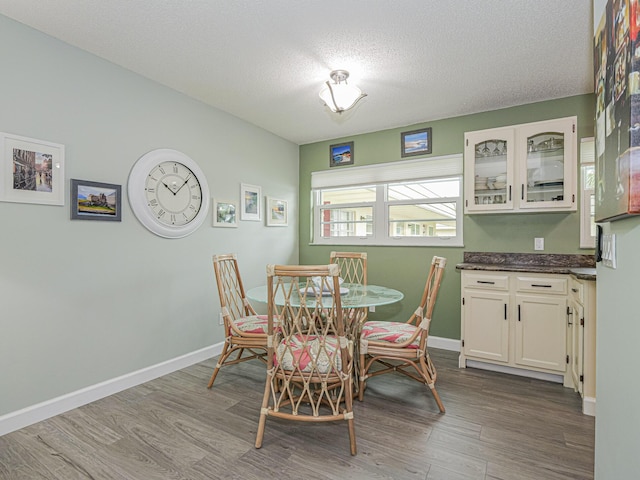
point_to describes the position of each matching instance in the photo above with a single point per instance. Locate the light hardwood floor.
(496, 427)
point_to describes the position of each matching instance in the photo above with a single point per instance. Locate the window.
(587, 194)
(418, 203)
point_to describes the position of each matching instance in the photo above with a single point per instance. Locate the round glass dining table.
(353, 296)
(356, 300)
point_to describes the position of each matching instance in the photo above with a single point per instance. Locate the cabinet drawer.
(577, 291)
(545, 285)
(486, 281)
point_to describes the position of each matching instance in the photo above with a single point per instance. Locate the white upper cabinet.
(522, 168)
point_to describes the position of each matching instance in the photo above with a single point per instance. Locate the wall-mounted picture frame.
(31, 170)
(96, 201)
(416, 142)
(225, 213)
(277, 212)
(341, 154)
(250, 202)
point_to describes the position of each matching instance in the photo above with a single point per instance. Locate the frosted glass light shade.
(340, 96)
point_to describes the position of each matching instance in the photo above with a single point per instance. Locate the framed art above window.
(416, 142)
(341, 154)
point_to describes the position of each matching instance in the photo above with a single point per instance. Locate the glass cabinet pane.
(545, 168)
(490, 168)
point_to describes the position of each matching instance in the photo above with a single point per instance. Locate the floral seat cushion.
(299, 351)
(252, 324)
(392, 332)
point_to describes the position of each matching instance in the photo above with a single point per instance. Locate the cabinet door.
(486, 325)
(547, 165)
(540, 334)
(488, 170)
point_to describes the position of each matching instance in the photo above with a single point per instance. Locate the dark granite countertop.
(582, 266)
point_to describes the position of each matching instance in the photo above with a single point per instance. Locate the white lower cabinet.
(516, 320)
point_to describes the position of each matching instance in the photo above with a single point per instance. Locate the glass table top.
(358, 296)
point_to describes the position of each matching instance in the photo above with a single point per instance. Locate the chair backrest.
(306, 337)
(422, 316)
(353, 266)
(233, 301)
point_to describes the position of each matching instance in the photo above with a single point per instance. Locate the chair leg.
(223, 356)
(429, 374)
(432, 387)
(361, 377)
(263, 412)
(350, 423)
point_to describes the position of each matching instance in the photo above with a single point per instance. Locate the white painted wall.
(82, 302)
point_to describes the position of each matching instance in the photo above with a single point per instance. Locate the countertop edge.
(580, 273)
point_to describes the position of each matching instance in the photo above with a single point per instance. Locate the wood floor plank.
(497, 427)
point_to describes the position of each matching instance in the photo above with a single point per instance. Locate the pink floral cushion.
(252, 324)
(392, 332)
(299, 351)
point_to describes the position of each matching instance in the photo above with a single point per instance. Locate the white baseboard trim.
(41, 411)
(589, 406)
(443, 343)
(549, 377)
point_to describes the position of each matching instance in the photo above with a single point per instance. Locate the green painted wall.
(405, 268)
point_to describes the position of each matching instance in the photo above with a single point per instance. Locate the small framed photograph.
(31, 170)
(224, 214)
(250, 202)
(341, 154)
(96, 201)
(416, 142)
(277, 212)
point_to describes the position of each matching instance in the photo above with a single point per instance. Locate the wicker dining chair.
(353, 269)
(245, 331)
(402, 346)
(309, 362)
(353, 266)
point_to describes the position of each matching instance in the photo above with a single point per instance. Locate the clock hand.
(185, 182)
(169, 188)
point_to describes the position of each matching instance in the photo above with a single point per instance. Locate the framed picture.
(250, 202)
(341, 154)
(95, 201)
(416, 142)
(224, 213)
(277, 212)
(31, 170)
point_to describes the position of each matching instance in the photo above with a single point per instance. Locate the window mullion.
(380, 215)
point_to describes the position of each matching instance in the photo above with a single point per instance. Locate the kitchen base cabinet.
(516, 320)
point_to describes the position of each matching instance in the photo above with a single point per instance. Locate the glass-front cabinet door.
(488, 170)
(530, 167)
(546, 175)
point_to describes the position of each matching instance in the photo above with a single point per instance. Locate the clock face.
(173, 193)
(168, 193)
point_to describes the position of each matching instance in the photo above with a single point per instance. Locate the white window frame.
(380, 176)
(587, 158)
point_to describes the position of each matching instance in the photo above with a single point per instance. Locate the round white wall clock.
(168, 193)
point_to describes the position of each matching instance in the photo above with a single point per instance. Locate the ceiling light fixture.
(340, 96)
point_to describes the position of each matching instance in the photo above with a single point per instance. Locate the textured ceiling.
(265, 60)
